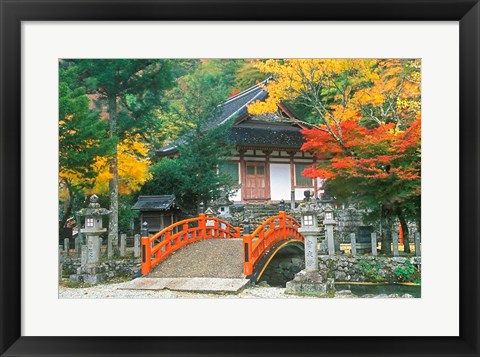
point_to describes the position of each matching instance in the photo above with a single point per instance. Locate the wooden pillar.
(292, 179)
(242, 172)
(267, 172)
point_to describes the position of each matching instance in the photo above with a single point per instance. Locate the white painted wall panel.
(237, 196)
(280, 181)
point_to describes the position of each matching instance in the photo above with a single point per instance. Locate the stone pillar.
(78, 247)
(60, 262)
(109, 249)
(417, 244)
(374, 244)
(84, 253)
(100, 243)
(116, 251)
(66, 246)
(353, 241)
(395, 243)
(136, 246)
(123, 245)
(93, 250)
(292, 200)
(311, 254)
(330, 240)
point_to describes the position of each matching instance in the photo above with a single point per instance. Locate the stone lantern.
(311, 281)
(329, 223)
(90, 270)
(309, 230)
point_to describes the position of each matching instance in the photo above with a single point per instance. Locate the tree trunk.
(386, 247)
(406, 234)
(67, 207)
(112, 243)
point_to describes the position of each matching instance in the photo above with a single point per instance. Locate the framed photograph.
(335, 134)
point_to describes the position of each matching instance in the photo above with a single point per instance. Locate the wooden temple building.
(267, 161)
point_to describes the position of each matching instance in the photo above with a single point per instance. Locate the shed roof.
(155, 203)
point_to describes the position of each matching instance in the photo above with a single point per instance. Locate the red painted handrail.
(269, 233)
(158, 247)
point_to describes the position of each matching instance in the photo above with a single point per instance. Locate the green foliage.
(370, 270)
(407, 272)
(193, 176)
(125, 214)
(82, 136)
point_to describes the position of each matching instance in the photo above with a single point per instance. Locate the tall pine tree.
(129, 91)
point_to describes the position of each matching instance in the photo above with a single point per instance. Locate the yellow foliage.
(344, 89)
(133, 163)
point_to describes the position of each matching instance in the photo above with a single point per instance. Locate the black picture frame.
(467, 12)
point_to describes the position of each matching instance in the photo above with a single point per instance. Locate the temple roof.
(266, 134)
(257, 132)
(155, 203)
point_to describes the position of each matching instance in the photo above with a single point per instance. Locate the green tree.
(193, 176)
(82, 138)
(129, 92)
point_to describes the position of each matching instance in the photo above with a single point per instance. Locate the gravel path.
(111, 291)
(212, 258)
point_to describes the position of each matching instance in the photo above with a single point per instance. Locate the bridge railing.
(158, 247)
(270, 232)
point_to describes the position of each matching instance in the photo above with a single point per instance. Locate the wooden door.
(256, 186)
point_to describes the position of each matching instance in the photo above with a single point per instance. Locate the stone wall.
(121, 268)
(349, 268)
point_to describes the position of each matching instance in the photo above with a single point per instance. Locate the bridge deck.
(213, 258)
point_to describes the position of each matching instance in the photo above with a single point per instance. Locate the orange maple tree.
(363, 125)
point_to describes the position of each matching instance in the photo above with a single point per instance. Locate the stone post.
(136, 246)
(123, 245)
(395, 243)
(374, 244)
(116, 251)
(292, 200)
(109, 249)
(417, 244)
(66, 246)
(353, 241)
(78, 245)
(330, 240)
(60, 262)
(329, 222)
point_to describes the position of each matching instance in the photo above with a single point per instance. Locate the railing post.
(146, 250)
(203, 225)
(185, 234)
(247, 254)
(283, 223)
(247, 248)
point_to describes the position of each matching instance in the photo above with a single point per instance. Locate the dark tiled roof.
(234, 107)
(154, 203)
(266, 134)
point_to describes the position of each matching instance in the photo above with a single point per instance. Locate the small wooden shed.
(158, 211)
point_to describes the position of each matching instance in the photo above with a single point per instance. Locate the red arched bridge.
(252, 251)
